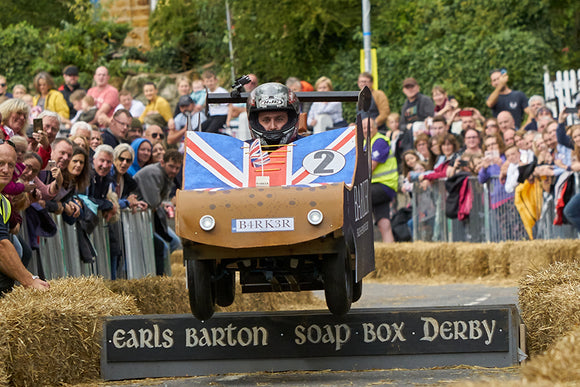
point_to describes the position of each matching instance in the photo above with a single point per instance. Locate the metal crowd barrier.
(493, 216)
(59, 256)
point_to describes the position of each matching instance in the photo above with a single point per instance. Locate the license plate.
(262, 224)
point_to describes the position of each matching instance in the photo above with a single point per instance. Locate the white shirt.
(218, 109)
(136, 110)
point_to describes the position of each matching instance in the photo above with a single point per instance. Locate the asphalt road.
(377, 295)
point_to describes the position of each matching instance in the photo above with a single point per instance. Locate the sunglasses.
(2, 85)
(8, 142)
(160, 135)
(125, 159)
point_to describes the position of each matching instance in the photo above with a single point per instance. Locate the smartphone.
(570, 110)
(37, 125)
(465, 113)
(51, 164)
(463, 163)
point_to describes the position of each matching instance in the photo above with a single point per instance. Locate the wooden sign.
(236, 342)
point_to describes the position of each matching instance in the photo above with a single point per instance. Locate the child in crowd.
(198, 95)
(509, 170)
(89, 109)
(410, 161)
(18, 91)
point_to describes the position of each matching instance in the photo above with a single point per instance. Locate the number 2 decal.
(323, 162)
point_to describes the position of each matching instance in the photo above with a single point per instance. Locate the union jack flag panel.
(215, 161)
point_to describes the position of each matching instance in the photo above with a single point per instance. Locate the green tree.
(41, 14)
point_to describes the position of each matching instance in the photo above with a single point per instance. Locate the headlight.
(315, 217)
(207, 222)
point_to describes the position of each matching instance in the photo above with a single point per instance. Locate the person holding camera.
(505, 99)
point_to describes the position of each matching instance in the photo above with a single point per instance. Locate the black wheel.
(356, 289)
(225, 289)
(338, 282)
(201, 288)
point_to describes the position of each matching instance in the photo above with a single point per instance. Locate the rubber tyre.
(338, 282)
(356, 289)
(225, 289)
(201, 288)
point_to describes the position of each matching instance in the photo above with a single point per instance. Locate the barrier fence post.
(138, 243)
(100, 239)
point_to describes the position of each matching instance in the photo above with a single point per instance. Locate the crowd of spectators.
(78, 149)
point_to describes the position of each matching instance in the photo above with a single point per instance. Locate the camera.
(463, 163)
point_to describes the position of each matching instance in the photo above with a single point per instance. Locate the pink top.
(108, 94)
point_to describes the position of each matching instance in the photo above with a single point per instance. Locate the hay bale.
(54, 337)
(550, 302)
(559, 364)
(176, 257)
(177, 270)
(4, 354)
(155, 295)
(265, 302)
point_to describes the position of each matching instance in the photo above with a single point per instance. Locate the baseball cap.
(71, 70)
(409, 82)
(185, 100)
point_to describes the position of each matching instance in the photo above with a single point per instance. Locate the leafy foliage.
(187, 33)
(20, 45)
(41, 14)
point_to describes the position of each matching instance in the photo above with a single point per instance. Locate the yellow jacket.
(54, 102)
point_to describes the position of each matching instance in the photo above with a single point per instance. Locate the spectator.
(218, 113)
(492, 161)
(491, 127)
(505, 120)
(198, 95)
(155, 182)
(448, 146)
(184, 121)
(116, 133)
(422, 148)
(47, 97)
(32, 165)
(379, 109)
(295, 85)
(89, 109)
(471, 118)
(542, 122)
(14, 114)
(96, 139)
(325, 115)
(76, 100)
(544, 112)
(384, 179)
(439, 126)
(417, 106)
(572, 208)
(41, 142)
(81, 142)
(19, 90)
(561, 154)
(101, 181)
(157, 153)
(11, 267)
(4, 87)
(154, 134)
(75, 180)
(505, 99)
(157, 111)
(125, 185)
(135, 131)
(472, 143)
(509, 137)
(444, 106)
(70, 85)
(142, 150)
(509, 172)
(106, 97)
(82, 129)
(126, 101)
(534, 104)
(183, 89)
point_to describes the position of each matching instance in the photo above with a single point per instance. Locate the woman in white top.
(325, 115)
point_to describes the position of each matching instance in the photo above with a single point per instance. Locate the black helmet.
(273, 97)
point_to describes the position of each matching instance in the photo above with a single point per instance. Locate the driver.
(273, 111)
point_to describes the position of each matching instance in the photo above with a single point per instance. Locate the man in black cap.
(71, 83)
(184, 121)
(417, 106)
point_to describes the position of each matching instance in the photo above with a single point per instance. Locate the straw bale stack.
(559, 363)
(155, 295)
(550, 303)
(176, 257)
(4, 355)
(54, 337)
(471, 260)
